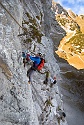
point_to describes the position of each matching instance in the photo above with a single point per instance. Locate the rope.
(12, 16)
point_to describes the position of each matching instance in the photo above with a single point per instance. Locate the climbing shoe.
(45, 82)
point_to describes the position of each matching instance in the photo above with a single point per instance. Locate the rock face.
(28, 25)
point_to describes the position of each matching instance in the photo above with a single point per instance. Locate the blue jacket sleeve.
(35, 59)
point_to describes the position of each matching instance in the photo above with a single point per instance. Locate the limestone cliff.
(28, 25)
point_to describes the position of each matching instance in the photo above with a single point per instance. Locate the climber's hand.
(28, 54)
(28, 57)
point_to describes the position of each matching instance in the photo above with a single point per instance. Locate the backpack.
(41, 65)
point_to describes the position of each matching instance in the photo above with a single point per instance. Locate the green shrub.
(34, 32)
(28, 40)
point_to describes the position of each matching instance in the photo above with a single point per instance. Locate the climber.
(52, 81)
(37, 64)
(60, 116)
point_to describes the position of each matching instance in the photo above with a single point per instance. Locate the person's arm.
(37, 60)
(30, 57)
(33, 58)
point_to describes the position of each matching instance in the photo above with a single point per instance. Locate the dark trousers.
(47, 77)
(30, 73)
